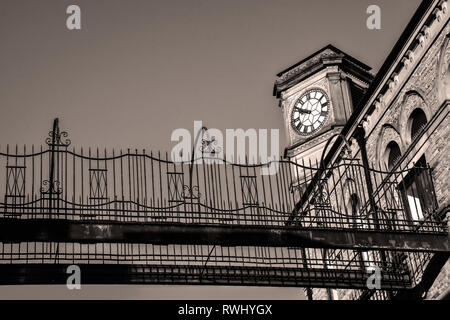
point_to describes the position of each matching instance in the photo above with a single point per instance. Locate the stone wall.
(422, 90)
(425, 89)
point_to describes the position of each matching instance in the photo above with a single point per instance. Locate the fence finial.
(56, 137)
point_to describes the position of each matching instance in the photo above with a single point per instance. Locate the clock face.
(310, 112)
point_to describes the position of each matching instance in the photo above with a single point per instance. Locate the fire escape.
(132, 217)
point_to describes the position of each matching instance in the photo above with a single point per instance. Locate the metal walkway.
(304, 225)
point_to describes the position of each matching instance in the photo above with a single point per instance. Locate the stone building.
(399, 118)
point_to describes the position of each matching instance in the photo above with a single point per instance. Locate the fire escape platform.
(12, 274)
(90, 231)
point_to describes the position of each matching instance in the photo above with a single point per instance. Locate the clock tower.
(317, 97)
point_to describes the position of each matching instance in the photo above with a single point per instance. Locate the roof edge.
(333, 48)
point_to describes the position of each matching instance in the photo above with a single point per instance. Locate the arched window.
(392, 154)
(417, 191)
(417, 121)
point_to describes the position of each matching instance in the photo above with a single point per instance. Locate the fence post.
(55, 133)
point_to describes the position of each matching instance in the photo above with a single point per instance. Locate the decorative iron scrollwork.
(61, 139)
(321, 197)
(210, 146)
(346, 153)
(49, 187)
(191, 194)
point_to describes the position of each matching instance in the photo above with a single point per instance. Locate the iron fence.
(58, 182)
(135, 186)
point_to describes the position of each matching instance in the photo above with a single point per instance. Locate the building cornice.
(425, 26)
(413, 51)
(404, 67)
(324, 58)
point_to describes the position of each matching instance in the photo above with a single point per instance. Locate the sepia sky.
(139, 69)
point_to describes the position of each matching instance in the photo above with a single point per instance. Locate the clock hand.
(304, 111)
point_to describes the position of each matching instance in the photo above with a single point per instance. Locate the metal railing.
(58, 182)
(249, 265)
(135, 186)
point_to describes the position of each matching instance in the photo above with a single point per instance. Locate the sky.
(139, 69)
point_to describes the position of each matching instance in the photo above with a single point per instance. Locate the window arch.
(388, 138)
(392, 154)
(416, 122)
